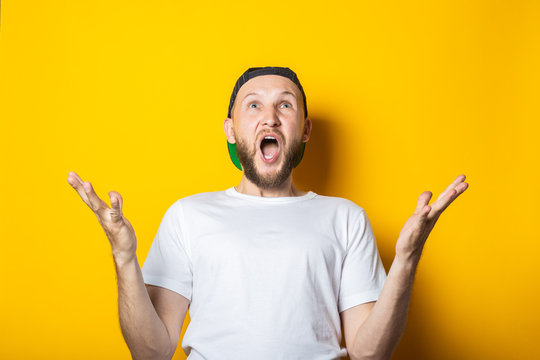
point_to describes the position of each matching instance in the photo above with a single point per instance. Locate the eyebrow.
(283, 92)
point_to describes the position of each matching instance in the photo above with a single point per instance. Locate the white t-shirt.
(266, 277)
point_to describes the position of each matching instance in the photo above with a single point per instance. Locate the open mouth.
(269, 148)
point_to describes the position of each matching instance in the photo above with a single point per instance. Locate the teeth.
(268, 157)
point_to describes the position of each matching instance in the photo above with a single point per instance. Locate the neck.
(285, 189)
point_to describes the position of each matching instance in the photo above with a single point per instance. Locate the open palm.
(117, 228)
(417, 228)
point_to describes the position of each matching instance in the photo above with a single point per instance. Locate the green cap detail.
(234, 156)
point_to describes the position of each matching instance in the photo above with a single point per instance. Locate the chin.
(268, 177)
(265, 168)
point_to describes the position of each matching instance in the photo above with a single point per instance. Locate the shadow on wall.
(316, 173)
(316, 166)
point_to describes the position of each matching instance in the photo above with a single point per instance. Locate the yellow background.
(404, 96)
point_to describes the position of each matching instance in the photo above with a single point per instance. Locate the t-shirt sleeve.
(363, 274)
(168, 262)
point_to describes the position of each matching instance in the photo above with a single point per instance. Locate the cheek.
(242, 128)
(246, 134)
(295, 130)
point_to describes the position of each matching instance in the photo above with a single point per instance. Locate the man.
(267, 270)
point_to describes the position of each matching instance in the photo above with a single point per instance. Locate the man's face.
(268, 129)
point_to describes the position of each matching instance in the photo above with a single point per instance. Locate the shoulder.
(346, 213)
(194, 200)
(202, 197)
(341, 204)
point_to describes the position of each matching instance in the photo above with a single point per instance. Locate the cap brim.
(233, 155)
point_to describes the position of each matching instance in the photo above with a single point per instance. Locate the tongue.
(269, 149)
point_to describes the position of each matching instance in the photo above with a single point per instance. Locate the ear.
(228, 129)
(307, 130)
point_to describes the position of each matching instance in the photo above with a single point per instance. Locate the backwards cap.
(250, 74)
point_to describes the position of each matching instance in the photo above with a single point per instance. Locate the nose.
(270, 118)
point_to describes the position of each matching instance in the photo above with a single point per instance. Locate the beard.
(247, 158)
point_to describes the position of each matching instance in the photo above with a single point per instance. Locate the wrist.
(406, 262)
(123, 259)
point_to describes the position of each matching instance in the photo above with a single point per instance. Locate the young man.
(267, 270)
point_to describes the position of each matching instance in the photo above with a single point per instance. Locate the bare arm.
(381, 331)
(143, 330)
(149, 319)
(378, 336)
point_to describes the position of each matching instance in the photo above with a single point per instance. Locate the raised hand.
(117, 228)
(416, 230)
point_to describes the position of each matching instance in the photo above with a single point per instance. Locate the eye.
(289, 105)
(249, 106)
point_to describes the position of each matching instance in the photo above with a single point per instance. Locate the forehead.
(269, 84)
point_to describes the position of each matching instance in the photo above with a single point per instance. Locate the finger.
(453, 185)
(95, 202)
(116, 206)
(74, 179)
(75, 176)
(462, 187)
(459, 190)
(444, 201)
(423, 200)
(76, 182)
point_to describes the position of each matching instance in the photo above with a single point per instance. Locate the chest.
(263, 243)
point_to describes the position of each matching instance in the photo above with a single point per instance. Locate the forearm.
(381, 331)
(144, 332)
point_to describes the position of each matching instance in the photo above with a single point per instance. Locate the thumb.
(116, 206)
(425, 211)
(423, 200)
(423, 216)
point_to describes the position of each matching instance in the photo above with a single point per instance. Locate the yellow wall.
(404, 96)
